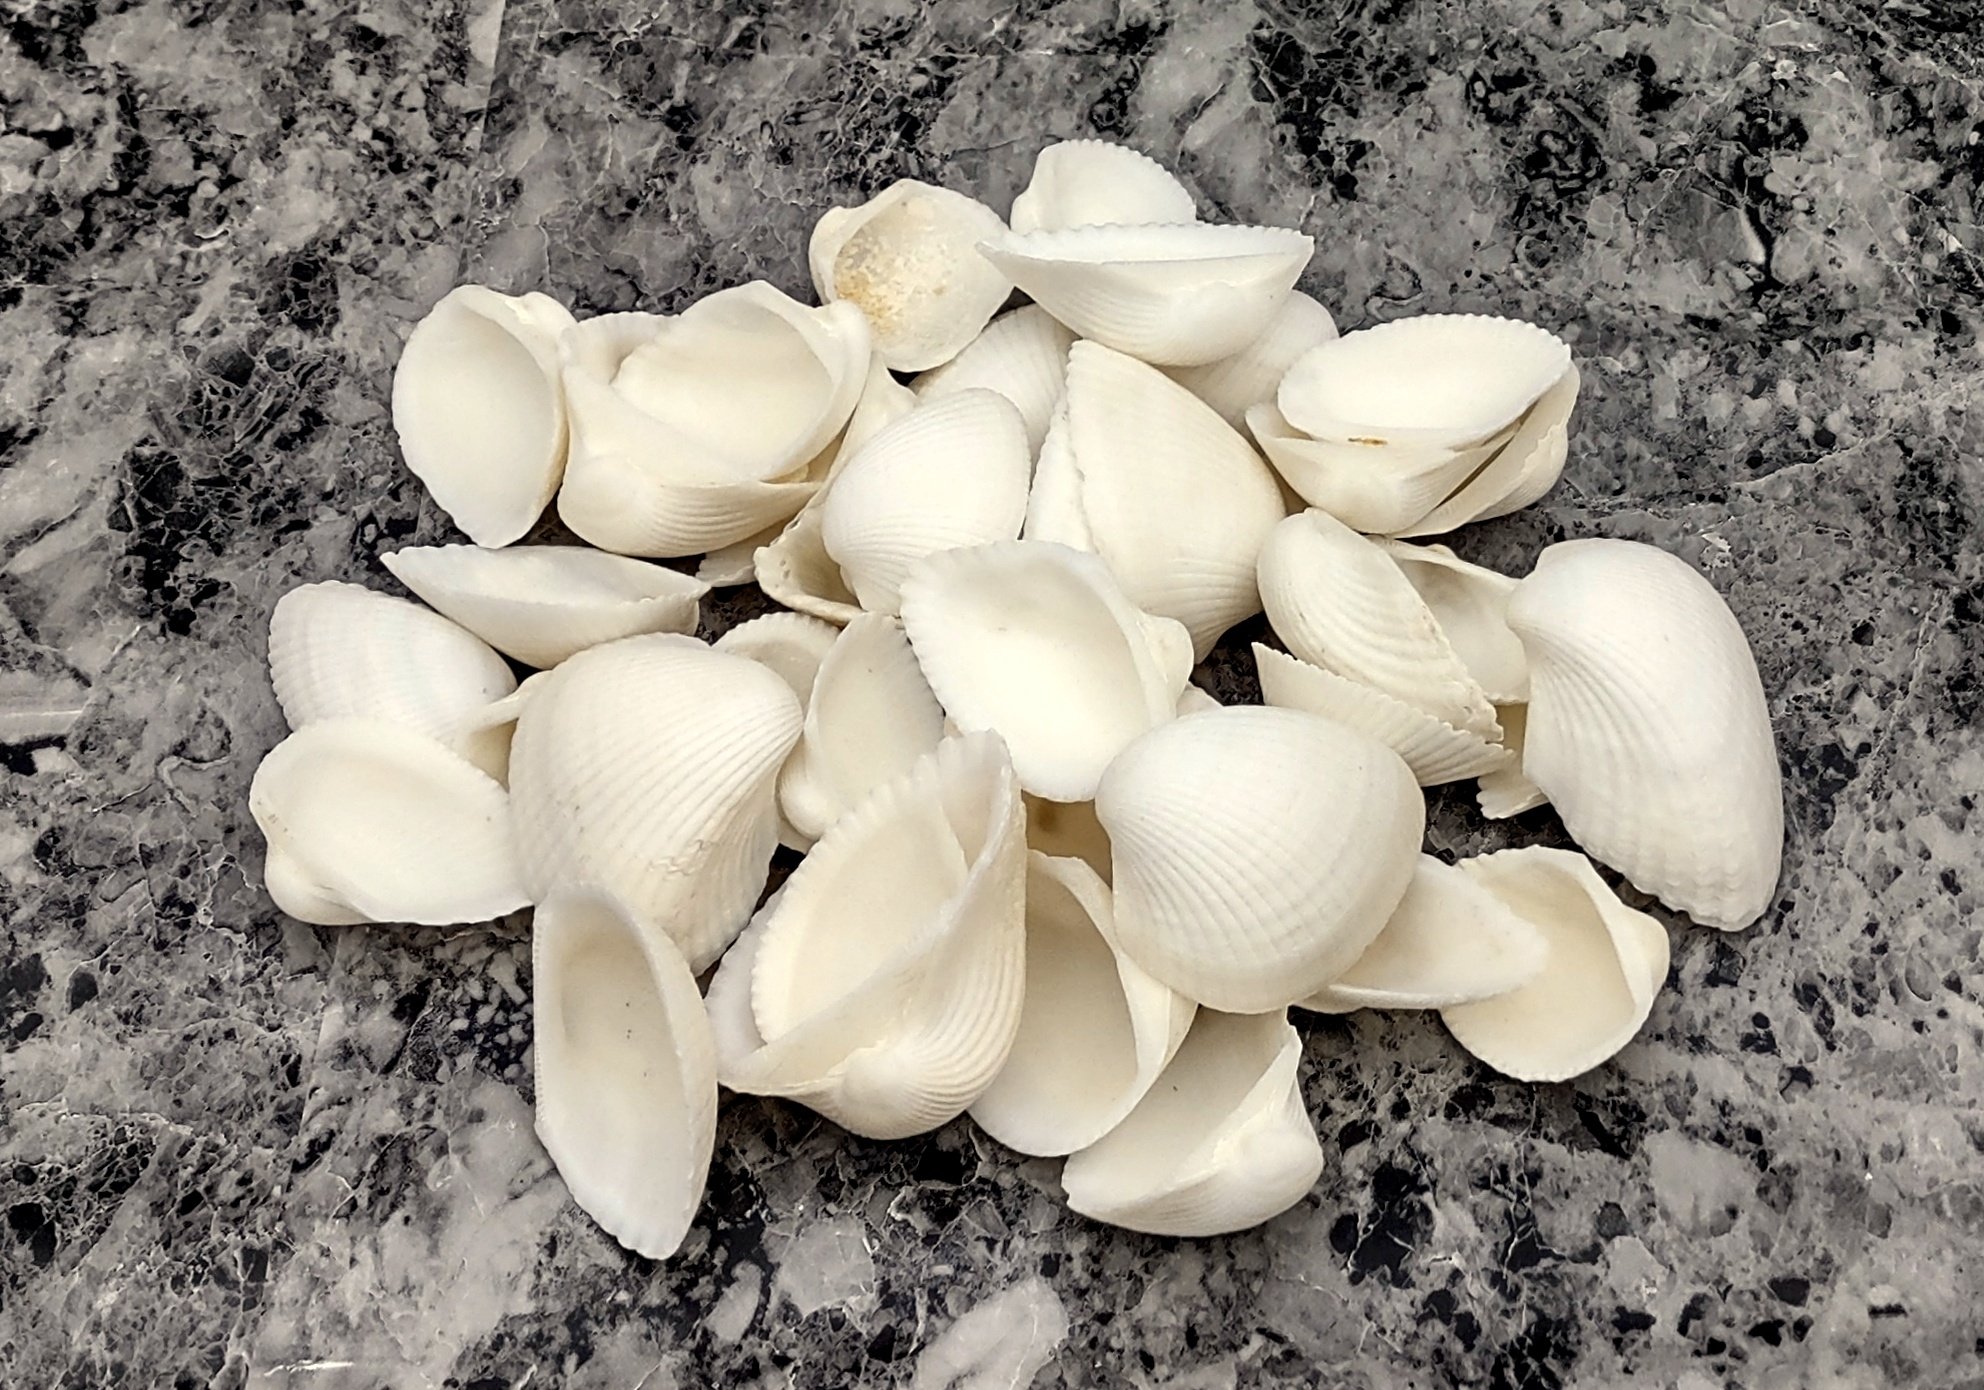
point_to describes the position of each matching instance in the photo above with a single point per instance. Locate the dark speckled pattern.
(238, 1151)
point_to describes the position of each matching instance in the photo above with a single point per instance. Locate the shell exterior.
(1450, 942)
(883, 985)
(1083, 183)
(1369, 486)
(368, 821)
(1192, 699)
(1470, 603)
(1604, 964)
(729, 566)
(1257, 852)
(541, 603)
(1173, 294)
(906, 257)
(1221, 1142)
(342, 651)
(1068, 830)
(953, 472)
(479, 409)
(1505, 791)
(1036, 641)
(1251, 376)
(1521, 471)
(648, 767)
(1022, 355)
(792, 644)
(625, 1068)
(1647, 726)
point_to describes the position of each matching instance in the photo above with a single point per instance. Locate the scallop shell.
(369, 821)
(1084, 183)
(1505, 791)
(1067, 830)
(1037, 642)
(1221, 1142)
(625, 1069)
(906, 257)
(883, 985)
(1647, 726)
(1257, 852)
(1521, 471)
(479, 411)
(1450, 942)
(1095, 1030)
(339, 651)
(1022, 355)
(1604, 965)
(1233, 385)
(1178, 295)
(647, 767)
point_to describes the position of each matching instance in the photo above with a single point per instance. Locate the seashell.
(869, 718)
(479, 410)
(1436, 752)
(541, 603)
(883, 985)
(1191, 700)
(1450, 942)
(1257, 852)
(1037, 642)
(1067, 830)
(1521, 471)
(1470, 603)
(1504, 791)
(371, 821)
(1095, 1030)
(1177, 295)
(792, 644)
(340, 651)
(951, 473)
(1647, 726)
(1022, 355)
(1085, 183)
(1221, 1142)
(647, 767)
(625, 1069)
(1146, 475)
(1235, 384)
(1370, 487)
(736, 564)
(1603, 966)
(488, 730)
(1341, 603)
(906, 258)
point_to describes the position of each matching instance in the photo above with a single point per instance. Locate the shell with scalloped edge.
(1022, 355)
(1085, 183)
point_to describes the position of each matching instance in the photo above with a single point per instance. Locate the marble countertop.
(235, 1150)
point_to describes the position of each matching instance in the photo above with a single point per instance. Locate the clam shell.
(1647, 726)
(792, 645)
(883, 985)
(479, 411)
(906, 257)
(1504, 791)
(1522, 470)
(369, 821)
(1192, 699)
(1257, 852)
(1176, 295)
(1095, 1030)
(1067, 830)
(1251, 376)
(1037, 642)
(647, 767)
(1368, 485)
(1605, 962)
(1084, 183)
(625, 1069)
(1449, 942)
(1221, 1142)
(729, 566)
(1470, 603)
(541, 603)
(1022, 355)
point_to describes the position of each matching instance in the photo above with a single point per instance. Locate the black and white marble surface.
(235, 1150)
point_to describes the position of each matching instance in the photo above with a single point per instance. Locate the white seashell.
(869, 718)
(1647, 726)
(1251, 376)
(951, 473)
(1221, 1142)
(1470, 603)
(1521, 471)
(1436, 752)
(1257, 852)
(1037, 642)
(906, 257)
(1604, 964)
(625, 1069)
(1095, 1031)
(1192, 700)
(1368, 485)
(1505, 791)
(792, 644)
(479, 410)
(1022, 355)
(488, 730)
(370, 821)
(647, 767)
(1067, 830)
(883, 985)
(341, 651)
(541, 603)
(1340, 602)
(1450, 942)
(1176, 295)
(1084, 183)
(729, 566)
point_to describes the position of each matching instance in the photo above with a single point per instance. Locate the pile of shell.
(1051, 883)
